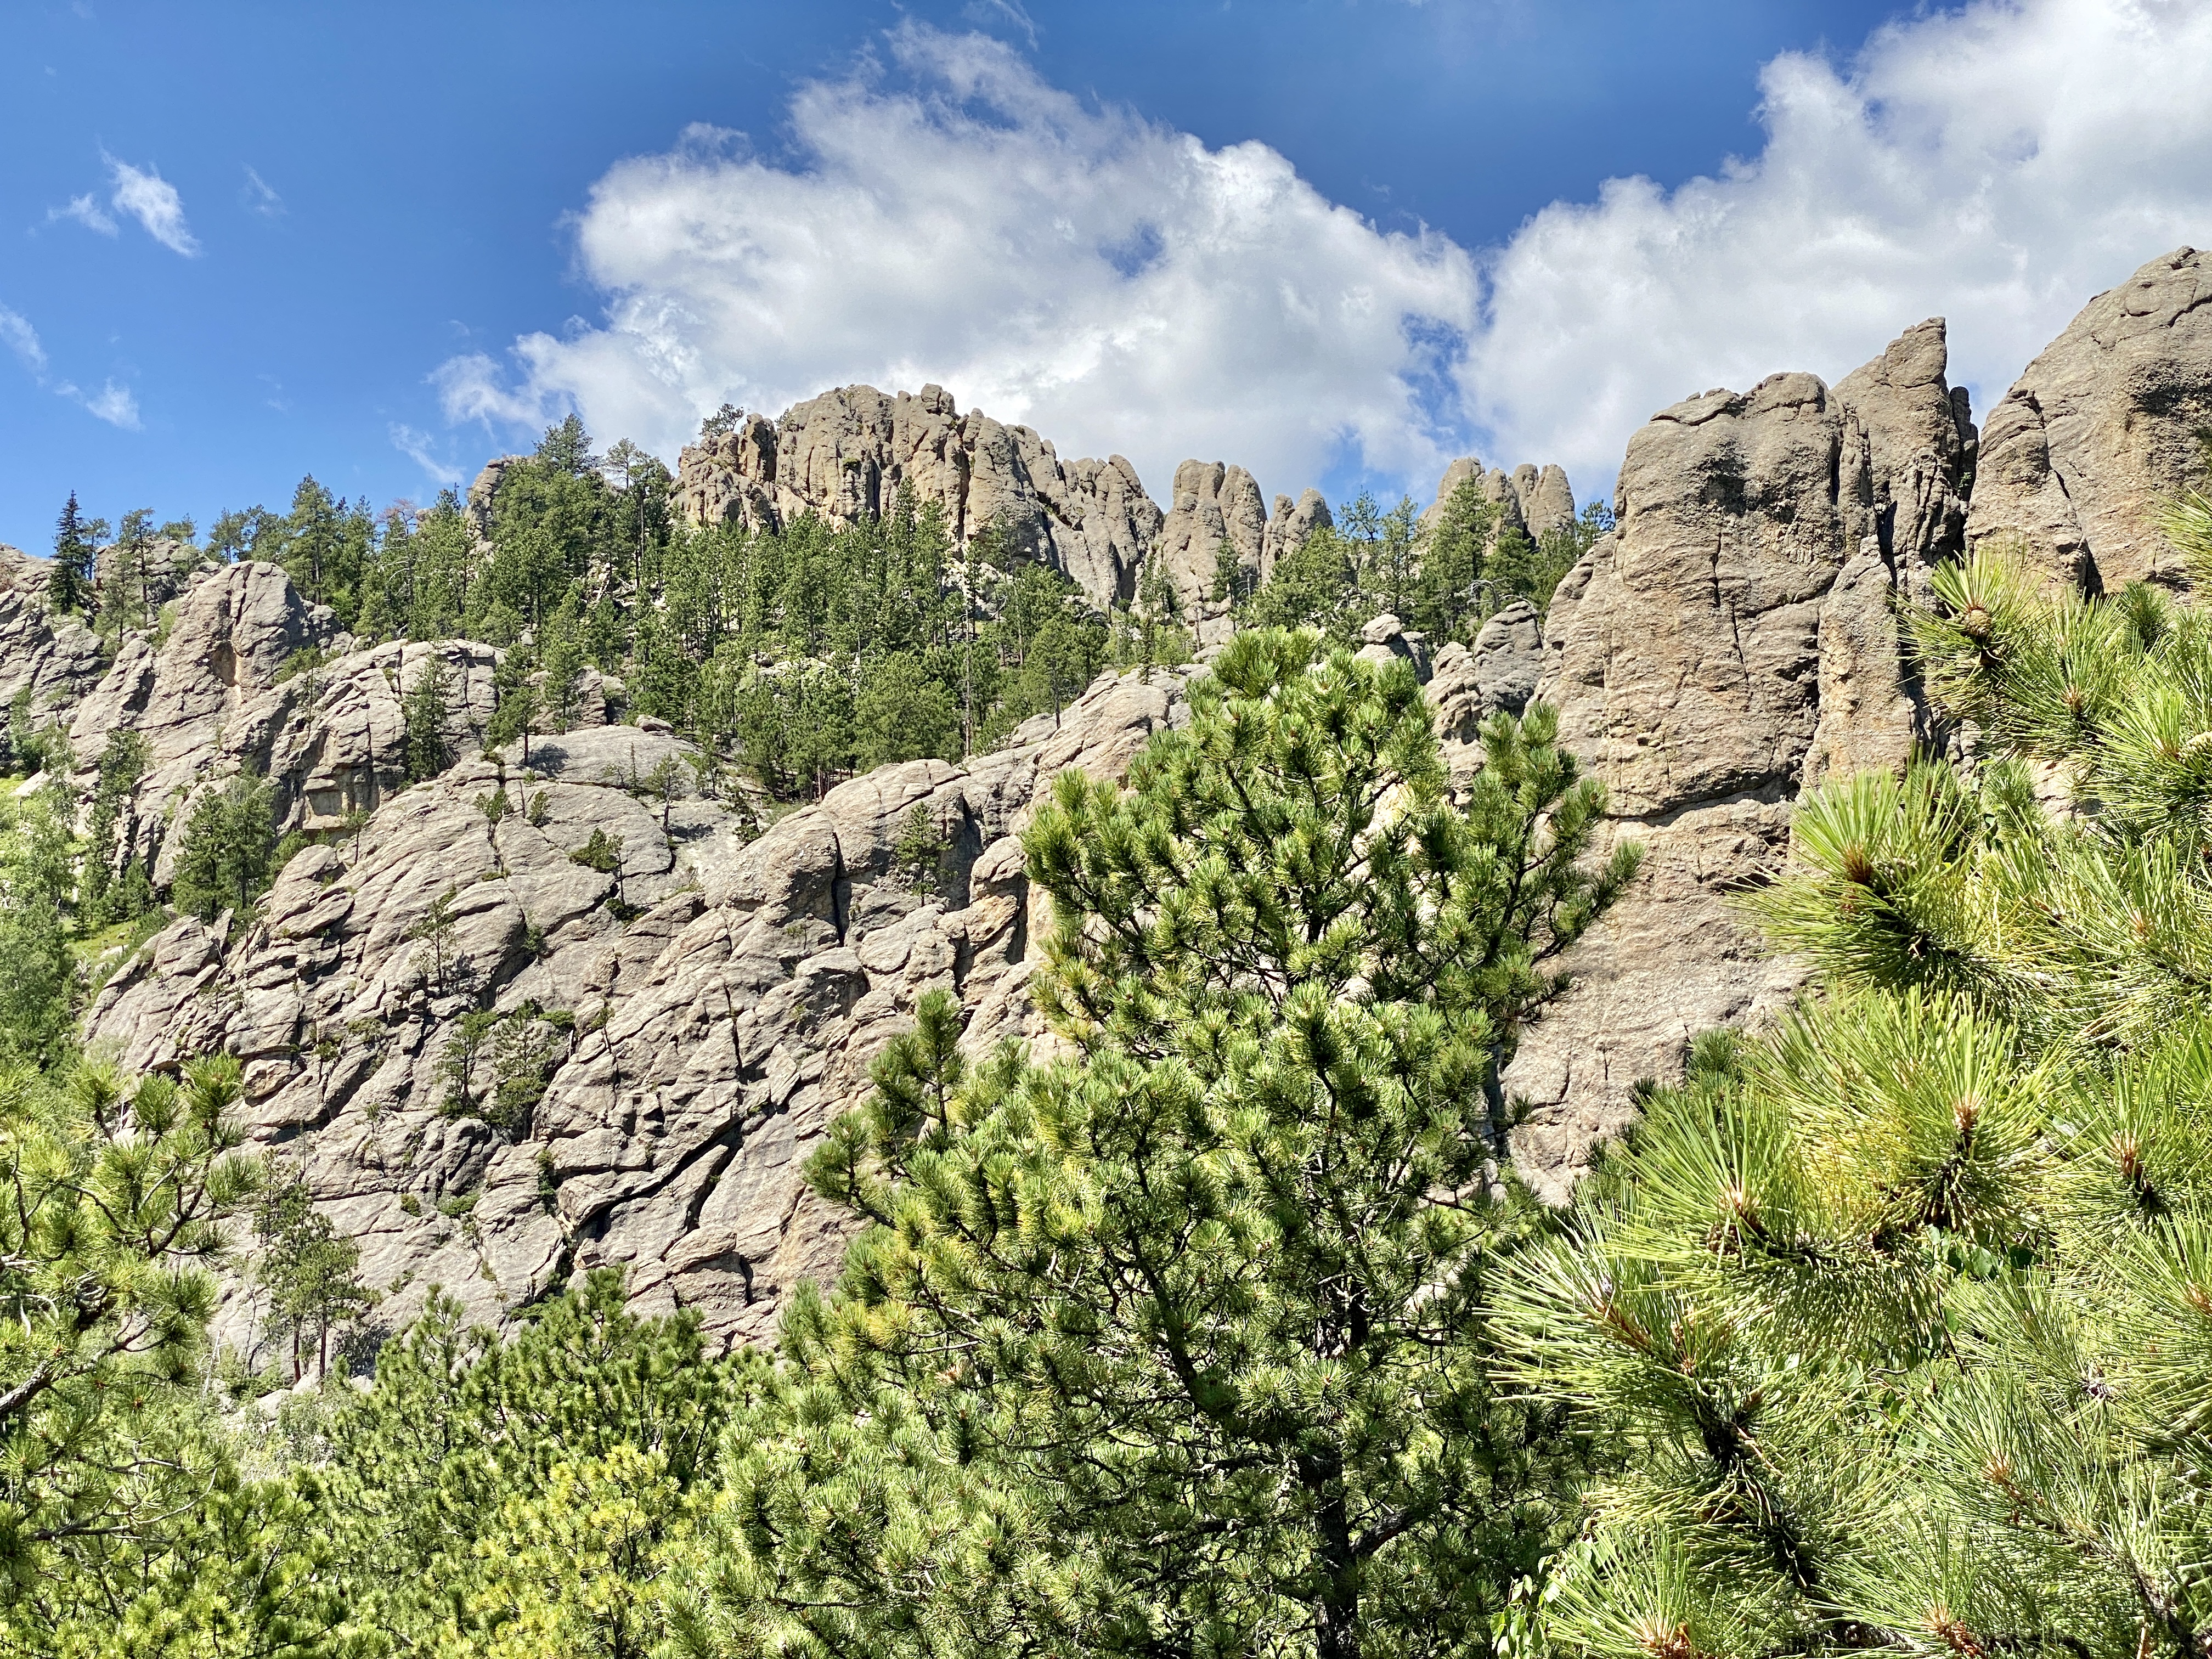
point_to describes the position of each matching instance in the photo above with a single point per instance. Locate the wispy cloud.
(472, 388)
(153, 201)
(259, 197)
(987, 11)
(415, 446)
(112, 403)
(22, 339)
(87, 212)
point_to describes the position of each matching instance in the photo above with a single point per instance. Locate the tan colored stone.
(2100, 428)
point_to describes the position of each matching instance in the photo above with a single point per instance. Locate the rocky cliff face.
(1214, 506)
(844, 455)
(530, 1016)
(1733, 640)
(46, 663)
(1730, 642)
(1527, 499)
(2102, 424)
(495, 1063)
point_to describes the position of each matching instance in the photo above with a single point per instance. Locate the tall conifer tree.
(1176, 1345)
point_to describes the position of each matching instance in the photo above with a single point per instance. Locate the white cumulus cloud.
(153, 201)
(1997, 164)
(949, 216)
(1111, 281)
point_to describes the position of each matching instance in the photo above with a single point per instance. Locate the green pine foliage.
(225, 852)
(1170, 1346)
(103, 895)
(1901, 1316)
(425, 712)
(1445, 579)
(69, 579)
(807, 653)
(304, 1269)
(112, 1211)
(39, 980)
(525, 1495)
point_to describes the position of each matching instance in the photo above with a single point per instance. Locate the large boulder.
(2103, 425)
(1733, 639)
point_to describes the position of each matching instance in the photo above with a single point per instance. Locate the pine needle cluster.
(1900, 1316)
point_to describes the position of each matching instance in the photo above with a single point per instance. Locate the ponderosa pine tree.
(525, 1494)
(114, 1208)
(39, 978)
(1176, 1346)
(1449, 594)
(1902, 1316)
(425, 708)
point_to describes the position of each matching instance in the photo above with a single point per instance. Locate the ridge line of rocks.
(673, 1027)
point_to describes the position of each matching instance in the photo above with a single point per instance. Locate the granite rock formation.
(1289, 525)
(46, 662)
(844, 455)
(673, 1031)
(2104, 423)
(1732, 639)
(496, 1060)
(1527, 499)
(1214, 506)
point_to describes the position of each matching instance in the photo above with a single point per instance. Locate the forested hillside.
(578, 1075)
(804, 653)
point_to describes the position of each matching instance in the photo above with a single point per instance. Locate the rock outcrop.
(1527, 499)
(533, 1016)
(1289, 525)
(147, 574)
(226, 688)
(843, 456)
(1214, 506)
(2103, 424)
(46, 661)
(1732, 639)
(673, 1026)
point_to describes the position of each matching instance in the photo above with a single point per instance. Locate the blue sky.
(1336, 241)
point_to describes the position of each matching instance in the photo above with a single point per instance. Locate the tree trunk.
(1336, 1610)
